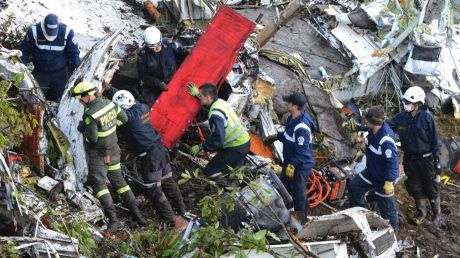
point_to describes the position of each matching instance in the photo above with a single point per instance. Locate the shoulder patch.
(301, 140)
(388, 153)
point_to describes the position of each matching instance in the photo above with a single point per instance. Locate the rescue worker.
(156, 168)
(422, 148)
(382, 167)
(297, 140)
(157, 63)
(229, 136)
(99, 125)
(54, 52)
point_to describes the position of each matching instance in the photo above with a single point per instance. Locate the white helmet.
(414, 94)
(124, 99)
(152, 36)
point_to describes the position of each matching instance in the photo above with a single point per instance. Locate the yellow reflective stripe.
(107, 133)
(102, 192)
(123, 189)
(103, 111)
(118, 110)
(115, 167)
(119, 122)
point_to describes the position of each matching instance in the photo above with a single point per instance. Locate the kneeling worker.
(229, 136)
(99, 125)
(156, 168)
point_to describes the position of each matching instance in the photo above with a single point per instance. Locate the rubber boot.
(436, 209)
(172, 192)
(130, 201)
(420, 204)
(109, 210)
(180, 224)
(161, 204)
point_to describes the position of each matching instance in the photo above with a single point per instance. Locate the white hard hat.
(152, 36)
(124, 99)
(414, 94)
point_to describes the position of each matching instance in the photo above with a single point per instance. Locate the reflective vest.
(105, 114)
(235, 132)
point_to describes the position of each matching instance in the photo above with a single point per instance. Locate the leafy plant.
(14, 120)
(151, 242)
(11, 35)
(80, 230)
(7, 249)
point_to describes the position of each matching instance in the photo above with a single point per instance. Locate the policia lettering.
(101, 118)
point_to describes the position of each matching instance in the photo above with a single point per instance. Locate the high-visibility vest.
(105, 118)
(235, 132)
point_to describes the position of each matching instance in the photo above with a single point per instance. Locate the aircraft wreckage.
(374, 40)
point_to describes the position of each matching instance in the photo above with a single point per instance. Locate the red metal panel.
(210, 61)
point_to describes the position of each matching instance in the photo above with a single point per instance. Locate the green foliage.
(80, 230)
(11, 35)
(151, 242)
(210, 240)
(15, 122)
(213, 241)
(7, 250)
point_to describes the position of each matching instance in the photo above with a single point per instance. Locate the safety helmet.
(414, 95)
(50, 26)
(84, 89)
(123, 99)
(152, 37)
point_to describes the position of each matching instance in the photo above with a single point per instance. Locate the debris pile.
(385, 46)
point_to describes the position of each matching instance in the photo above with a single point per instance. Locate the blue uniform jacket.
(50, 56)
(156, 67)
(382, 155)
(418, 134)
(298, 142)
(217, 125)
(138, 130)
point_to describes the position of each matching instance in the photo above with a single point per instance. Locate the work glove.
(81, 126)
(290, 171)
(196, 149)
(163, 86)
(388, 188)
(193, 90)
(437, 165)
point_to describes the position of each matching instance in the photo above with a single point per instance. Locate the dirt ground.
(431, 240)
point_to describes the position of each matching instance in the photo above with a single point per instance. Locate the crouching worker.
(229, 136)
(382, 168)
(156, 168)
(297, 142)
(99, 125)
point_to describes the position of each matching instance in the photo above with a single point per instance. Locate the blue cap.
(51, 24)
(296, 99)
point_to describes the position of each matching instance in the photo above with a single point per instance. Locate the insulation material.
(258, 147)
(263, 90)
(211, 60)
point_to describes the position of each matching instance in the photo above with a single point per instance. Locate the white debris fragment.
(47, 183)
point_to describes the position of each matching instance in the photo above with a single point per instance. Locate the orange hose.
(316, 192)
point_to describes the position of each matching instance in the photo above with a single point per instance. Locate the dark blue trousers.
(361, 184)
(52, 83)
(297, 188)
